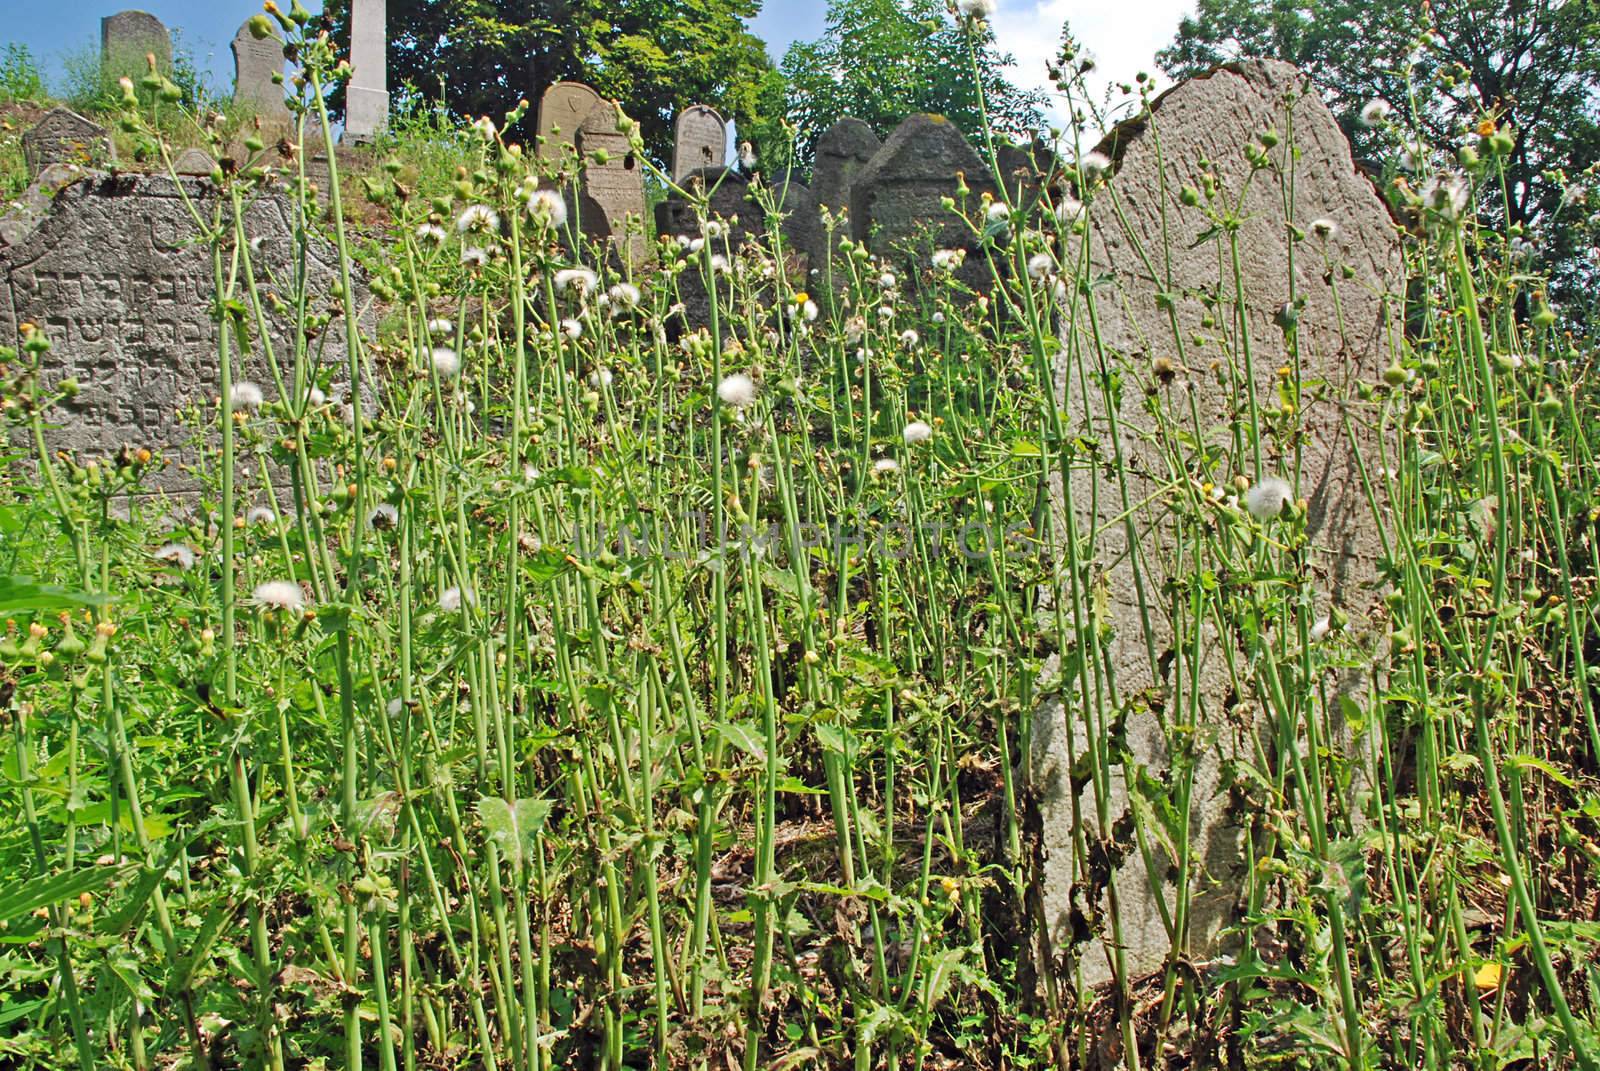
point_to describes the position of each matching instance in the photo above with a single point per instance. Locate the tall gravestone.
(562, 109)
(366, 103)
(611, 207)
(895, 200)
(700, 140)
(1122, 511)
(113, 275)
(127, 39)
(842, 151)
(255, 61)
(65, 137)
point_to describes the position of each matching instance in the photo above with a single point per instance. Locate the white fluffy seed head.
(478, 219)
(581, 281)
(548, 207)
(1267, 497)
(1095, 166)
(977, 9)
(260, 515)
(1375, 112)
(452, 599)
(737, 390)
(917, 432)
(284, 595)
(246, 395)
(446, 362)
(383, 517)
(1040, 265)
(1324, 229)
(176, 554)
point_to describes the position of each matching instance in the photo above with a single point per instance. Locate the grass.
(592, 690)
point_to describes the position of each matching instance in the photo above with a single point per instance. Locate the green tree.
(882, 60)
(1534, 64)
(655, 56)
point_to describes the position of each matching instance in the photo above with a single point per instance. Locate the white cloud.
(1122, 38)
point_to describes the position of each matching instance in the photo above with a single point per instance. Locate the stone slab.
(842, 151)
(127, 38)
(366, 101)
(613, 185)
(255, 61)
(562, 109)
(116, 280)
(1212, 118)
(62, 136)
(700, 140)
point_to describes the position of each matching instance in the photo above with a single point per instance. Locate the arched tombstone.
(895, 200)
(255, 61)
(613, 184)
(842, 151)
(562, 109)
(366, 98)
(700, 140)
(1177, 694)
(62, 136)
(126, 39)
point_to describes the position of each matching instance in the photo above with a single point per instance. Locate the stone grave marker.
(700, 139)
(194, 163)
(562, 110)
(894, 200)
(127, 38)
(613, 190)
(65, 137)
(366, 107)
(732, 202)
(842, 151)
(114, 276)
(1211, 118)
(255, 61)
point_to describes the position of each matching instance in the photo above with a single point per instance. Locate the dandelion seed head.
(452, 599)
(176, 554)
(885, 465)
(1040, 265)
(1267, 497)
(474, 256)
(977, 9)
(581, 281)
(624, 294)
(917, 432)
(478, 219)
(246, 395)
(446, 362)
(1375, 112)
(260, 515)
(548, 207)
(430, 233)
(282, 595)
(572, 329)
(1094, 166)
(383, 517)
(1324, 229)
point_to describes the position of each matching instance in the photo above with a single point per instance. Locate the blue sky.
(1123, 37)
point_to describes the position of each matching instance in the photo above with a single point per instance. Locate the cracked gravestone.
(62, 136)
(842, 151)
(895, 200)
(113, 275)
(700, 140)
(1171, 692)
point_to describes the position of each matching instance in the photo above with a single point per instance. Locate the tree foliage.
(655, 56)
(1532, 64)
(882, 60)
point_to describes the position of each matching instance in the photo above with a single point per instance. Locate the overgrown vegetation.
(587, 689)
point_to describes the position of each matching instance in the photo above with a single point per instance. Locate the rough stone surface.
(613, 191)
(127, 37)
(115, 278)
(194, 163)
(65, 137)
(254, 64)
(366, 106)
(700, 139)
(842, 151)
(1210, 118)
(894, 200)
(34, 204)
(733, 202)
(562, 109)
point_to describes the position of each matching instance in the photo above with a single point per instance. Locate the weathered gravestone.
(842, 151)
(127, 39)
(65, 137)
(114, 277)
(194, 163)
(1124, 505)
(613, 184)
(562, 109)
(366, 104)
(255, 61)
(734, 204)
(24, 214)
(700, 140)
(895, 200)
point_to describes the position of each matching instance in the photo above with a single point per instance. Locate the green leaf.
(24, 897)
(19, 594)
(741, 736)
(513, 827)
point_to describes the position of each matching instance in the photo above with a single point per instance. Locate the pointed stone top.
(562, 109)
(700, 139)
(62, 136)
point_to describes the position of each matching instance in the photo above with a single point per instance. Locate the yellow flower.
(1487, 977)
(1486, 128)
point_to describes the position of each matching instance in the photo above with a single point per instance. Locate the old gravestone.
(1133, 533)
(613, 184)
(895, 200)
(562, 109)
(366, 109)
(65, 137)
(732, 202)
(193, 162)
(842, 151)
(113, 276)
(127, 39)
(255, 61)
(700, 139)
